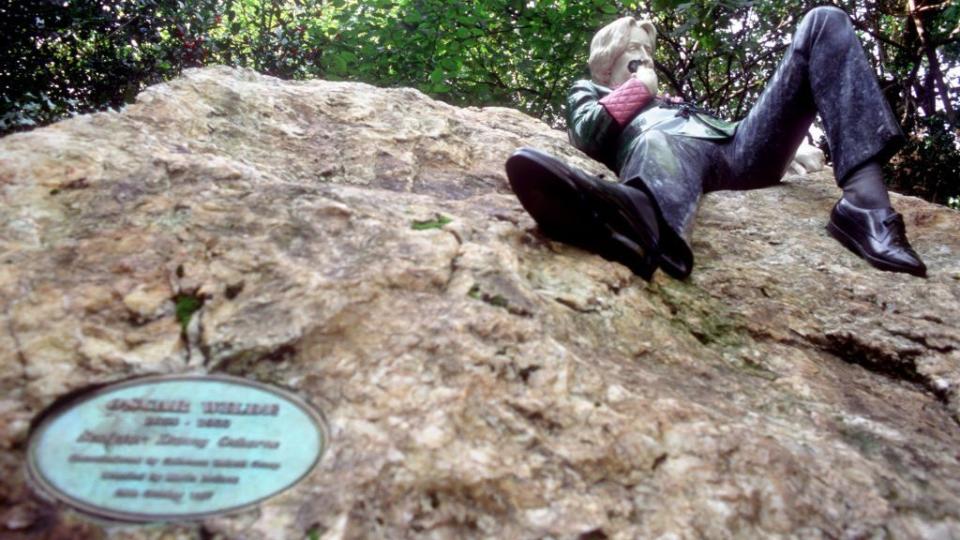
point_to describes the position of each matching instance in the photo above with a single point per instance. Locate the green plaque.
(175, 447)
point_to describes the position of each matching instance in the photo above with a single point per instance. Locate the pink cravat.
(626, 101)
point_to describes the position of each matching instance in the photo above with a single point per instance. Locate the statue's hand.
(648, 77)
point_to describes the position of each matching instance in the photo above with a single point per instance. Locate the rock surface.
(808, 159)
(480, 380)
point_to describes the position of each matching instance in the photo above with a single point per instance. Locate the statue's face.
(639, 47)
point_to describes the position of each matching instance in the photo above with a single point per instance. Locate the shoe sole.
(851, 244)
(554, 203)
(561, 210)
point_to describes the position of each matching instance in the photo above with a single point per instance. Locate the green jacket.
(593, 130)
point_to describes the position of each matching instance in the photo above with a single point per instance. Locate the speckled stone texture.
(481, 381)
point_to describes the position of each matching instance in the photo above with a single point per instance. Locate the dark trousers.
(824, 71)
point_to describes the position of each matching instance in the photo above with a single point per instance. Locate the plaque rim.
(39, 481)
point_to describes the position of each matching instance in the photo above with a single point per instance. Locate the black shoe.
(879, 236)
(615, 221)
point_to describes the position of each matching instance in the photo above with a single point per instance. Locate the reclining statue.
(668, 153)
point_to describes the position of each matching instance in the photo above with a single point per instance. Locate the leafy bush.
(64, 57)
(929, 165)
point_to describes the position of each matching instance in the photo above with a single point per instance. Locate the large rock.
(480, 380)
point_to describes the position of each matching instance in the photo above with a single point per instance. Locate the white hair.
(610, 42)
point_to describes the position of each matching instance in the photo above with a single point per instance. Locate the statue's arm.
(594, 121)
(589, 126)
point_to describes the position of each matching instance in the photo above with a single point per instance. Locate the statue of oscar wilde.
(667, 154)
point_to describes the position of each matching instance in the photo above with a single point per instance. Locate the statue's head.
(619, 43)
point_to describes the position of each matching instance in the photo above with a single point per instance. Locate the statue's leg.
(571, 206)
(671, 170)
(824, 70)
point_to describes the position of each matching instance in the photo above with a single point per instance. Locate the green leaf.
(339, 63)
(474, 291)
(186, 306)
(435, 223)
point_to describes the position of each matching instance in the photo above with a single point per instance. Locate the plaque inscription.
(175, 447)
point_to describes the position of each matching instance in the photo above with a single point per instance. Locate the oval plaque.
(175, 447)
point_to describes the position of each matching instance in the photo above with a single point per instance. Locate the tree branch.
(860, 25)
(931, 54)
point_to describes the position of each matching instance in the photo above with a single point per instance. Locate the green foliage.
(474, 292)
(495, 52)
(186, 306)
(436, 223)
(925, 167)
(61, 57)
(497, 300)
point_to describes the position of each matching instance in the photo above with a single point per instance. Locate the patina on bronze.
(175, 447)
